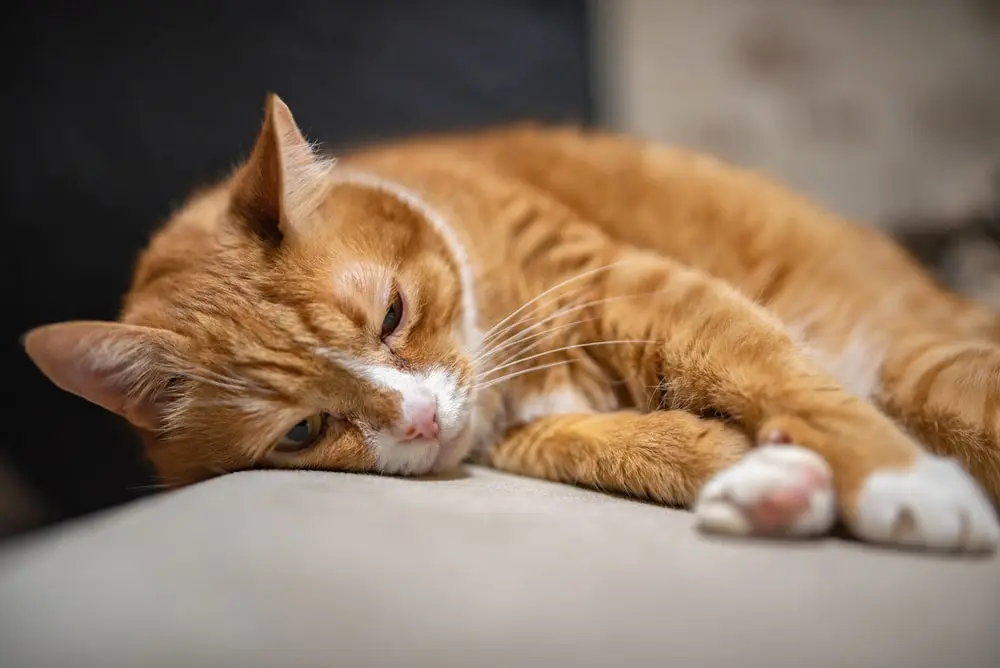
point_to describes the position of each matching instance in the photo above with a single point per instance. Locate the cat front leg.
(675, 458)
(665, 456)
(717, 352)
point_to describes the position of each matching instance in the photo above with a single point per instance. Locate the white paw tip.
(721, 516)
(933, 505)
(775, 490)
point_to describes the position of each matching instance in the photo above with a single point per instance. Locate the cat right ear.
(123, 368)
(283, 180)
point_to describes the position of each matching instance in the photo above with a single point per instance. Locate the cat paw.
(775, 490)
(934, 505)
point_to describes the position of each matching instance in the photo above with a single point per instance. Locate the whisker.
(524, 348)
(566, 310)
(570, 347)
(490, 332)
(579, 307)
(539, 309)
(519, 338)
(515, 374)
(653, 389)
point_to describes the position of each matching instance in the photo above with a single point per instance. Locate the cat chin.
(422, 456)
(452, 452)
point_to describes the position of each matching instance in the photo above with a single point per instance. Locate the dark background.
(113, 112)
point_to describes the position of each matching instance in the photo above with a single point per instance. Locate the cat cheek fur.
(421, 361)
(438, 338)
(436, 369)
(394, 455)
(448, 386)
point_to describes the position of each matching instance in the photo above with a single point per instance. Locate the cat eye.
(303, 435)
(392, 317)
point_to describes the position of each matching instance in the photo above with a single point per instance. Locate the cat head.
(295, 316)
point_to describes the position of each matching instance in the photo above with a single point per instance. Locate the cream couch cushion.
(287, 569)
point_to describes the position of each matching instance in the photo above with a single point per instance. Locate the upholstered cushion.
(286, 569)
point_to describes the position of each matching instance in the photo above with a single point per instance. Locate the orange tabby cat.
(572, 306)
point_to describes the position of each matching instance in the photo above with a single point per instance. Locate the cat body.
(568, 305)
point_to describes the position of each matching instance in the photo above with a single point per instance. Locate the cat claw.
(775, 490)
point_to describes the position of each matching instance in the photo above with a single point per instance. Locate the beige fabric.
(878, 110)
(285, 569)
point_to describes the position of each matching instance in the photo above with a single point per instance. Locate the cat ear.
(283, 180)
(123, 368)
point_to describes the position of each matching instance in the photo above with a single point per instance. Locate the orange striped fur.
(574, 306)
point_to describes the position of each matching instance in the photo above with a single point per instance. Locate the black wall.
(114, 111)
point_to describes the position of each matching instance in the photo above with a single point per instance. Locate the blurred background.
(887, 111)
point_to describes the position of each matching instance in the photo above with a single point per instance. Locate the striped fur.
(582, 307)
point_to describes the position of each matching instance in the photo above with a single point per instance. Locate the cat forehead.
(224, 312)
(371, 282)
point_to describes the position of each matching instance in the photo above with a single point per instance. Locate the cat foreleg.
(720, 353)
(664, 456)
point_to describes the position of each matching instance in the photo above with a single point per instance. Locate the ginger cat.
(572, 306)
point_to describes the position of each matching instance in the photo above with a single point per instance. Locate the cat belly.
(558, 402)
(856, 361)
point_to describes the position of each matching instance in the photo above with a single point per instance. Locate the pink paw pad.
(776, 490)
(777, 510)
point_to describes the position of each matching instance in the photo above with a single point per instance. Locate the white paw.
(775, 490)
(934, 505)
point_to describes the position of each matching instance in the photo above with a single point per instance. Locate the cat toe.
(775, 490)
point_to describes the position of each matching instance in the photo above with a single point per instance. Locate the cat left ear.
(125, 369)
(283, 180)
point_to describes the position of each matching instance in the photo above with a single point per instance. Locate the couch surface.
(287, 569)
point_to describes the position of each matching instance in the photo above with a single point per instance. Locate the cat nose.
(420, 418)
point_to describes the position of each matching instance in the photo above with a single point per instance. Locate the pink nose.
(420, 421)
